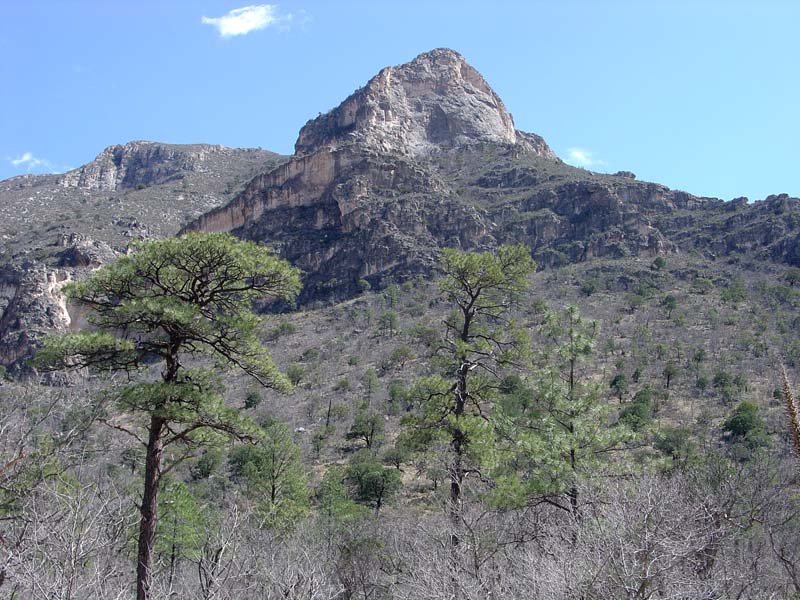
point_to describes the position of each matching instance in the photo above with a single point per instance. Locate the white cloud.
(31, 163)
(241, 21)
(582, 158)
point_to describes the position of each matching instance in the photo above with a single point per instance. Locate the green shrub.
(371, 482)
(639, 413)
(674, 442)
(310, 354)
(744, 420)
(252, 399)
(282, 329)
(746, 430)
(702, 285)
(295, 372)
(343, 385)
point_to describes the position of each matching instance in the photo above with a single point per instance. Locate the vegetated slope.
(732, 317)
(731, 321)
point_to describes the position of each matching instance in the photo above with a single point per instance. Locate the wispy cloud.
(241, 21)
(31, 163)
(582, 158)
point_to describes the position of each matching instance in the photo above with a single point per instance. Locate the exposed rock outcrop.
(31, 304)
(436, 100)
(361, 198)
(142, 164)
(58, 227)
(425, 156)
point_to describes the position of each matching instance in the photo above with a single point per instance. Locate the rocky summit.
(437, 100)
(424, 156)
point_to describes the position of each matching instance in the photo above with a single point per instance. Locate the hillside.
(666, 471)
(424, 156)
(54, 227)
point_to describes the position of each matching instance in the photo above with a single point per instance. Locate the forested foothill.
(616, 429)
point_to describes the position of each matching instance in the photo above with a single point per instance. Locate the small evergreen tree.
(368, 427)
(480, 338)
(274, 475)
(372, 482)
(566, 436)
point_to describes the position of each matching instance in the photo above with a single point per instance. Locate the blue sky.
(701, 96)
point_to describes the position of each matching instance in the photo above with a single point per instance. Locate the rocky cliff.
(436, 100)
(426, 155)
(54, 228)
(144, 164)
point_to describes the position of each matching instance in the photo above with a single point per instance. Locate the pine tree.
(480, 339)
(168, 301)
(566, 433)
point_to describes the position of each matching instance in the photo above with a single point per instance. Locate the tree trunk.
(149, 509)
(458, 438)
(457, 444)
(328, 414)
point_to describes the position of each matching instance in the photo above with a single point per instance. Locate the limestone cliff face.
(29, 304)
(31, 300)
(435, 100)
(347, 214)
(300, 182)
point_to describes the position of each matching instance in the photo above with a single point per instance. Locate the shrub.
(744, 420)
(371, 482)
(295, 372)
(281, 329)
(734, 293)
(206, 465)
(674, 442)
(252, 399)
(639, 413)
(746, 430)
(310, 354)
(702, 285)
(343, 385)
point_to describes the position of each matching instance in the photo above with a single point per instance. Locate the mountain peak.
(437, 100)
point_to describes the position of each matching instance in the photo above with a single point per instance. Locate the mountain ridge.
(376, 188)
(369, 193)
